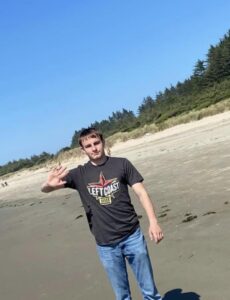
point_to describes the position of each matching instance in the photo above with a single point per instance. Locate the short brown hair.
(89, 132)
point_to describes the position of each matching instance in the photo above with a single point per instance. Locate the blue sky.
(66, 64)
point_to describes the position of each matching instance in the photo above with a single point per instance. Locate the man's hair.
(90, 132)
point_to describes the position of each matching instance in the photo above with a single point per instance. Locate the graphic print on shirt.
(104, 189)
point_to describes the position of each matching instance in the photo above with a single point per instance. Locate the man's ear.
(82, 150)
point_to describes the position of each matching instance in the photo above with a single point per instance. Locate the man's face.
(93, 147)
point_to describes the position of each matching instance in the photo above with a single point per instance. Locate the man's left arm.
(155, 232)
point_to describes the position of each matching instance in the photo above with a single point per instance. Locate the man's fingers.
(156, 236)
(61, 183)
(64, 173)
(159, 237)
(152, 235)
(59, 170)
(57, 173)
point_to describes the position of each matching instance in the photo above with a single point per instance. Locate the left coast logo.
(103, 190)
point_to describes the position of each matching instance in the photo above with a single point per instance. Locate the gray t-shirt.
(103, 190)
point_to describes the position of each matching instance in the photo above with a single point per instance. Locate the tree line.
(208, 84)
(17, 165)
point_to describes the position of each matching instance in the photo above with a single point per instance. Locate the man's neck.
(98, 162)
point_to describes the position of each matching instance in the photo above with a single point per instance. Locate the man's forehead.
(90, 136)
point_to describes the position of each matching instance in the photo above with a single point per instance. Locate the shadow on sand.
(177, 294)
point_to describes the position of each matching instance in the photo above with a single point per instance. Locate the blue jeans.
(134, 250)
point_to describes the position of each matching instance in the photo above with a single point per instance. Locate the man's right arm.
(55, 180)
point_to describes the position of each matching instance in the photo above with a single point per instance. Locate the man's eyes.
(94, 144)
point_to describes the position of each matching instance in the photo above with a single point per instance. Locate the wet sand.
(47, 251)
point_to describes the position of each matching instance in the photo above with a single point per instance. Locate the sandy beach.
(48, 253)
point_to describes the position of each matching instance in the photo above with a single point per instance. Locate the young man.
(103, 187)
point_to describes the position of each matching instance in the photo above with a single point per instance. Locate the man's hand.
(55, 179)
(155, 232)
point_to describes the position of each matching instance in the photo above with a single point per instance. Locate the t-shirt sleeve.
(131, 173)
(71, 179)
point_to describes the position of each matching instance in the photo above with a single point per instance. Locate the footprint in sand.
(209, 213)
(78, 217)
(163, 206)
(162, 215)
(189, 218)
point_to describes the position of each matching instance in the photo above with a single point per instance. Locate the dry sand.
(47, 251)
